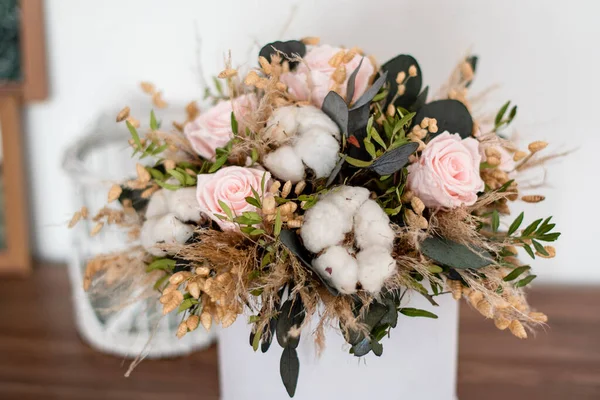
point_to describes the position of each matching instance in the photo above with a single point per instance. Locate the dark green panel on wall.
(10, 55)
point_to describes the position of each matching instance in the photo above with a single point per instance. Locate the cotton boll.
(282, 125)
(347, 198)
(285, 164)
(166, 230)
(318, 150)
(339, 268)
(375, 265)
(324, 225)
(183, 204)
(157, 205)
(310, 118)
(372, 226)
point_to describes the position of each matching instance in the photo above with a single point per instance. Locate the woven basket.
(94, 163)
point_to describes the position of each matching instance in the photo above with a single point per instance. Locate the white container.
(94, 163)
(419, 362)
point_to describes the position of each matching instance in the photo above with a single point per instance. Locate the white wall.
(543, 52)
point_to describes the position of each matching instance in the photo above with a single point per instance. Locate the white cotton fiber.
(184, 204)
(282, 125)
(324, 225)
(347, 198)
(372, 226)
(375, 265)
(338, 267)
(157, 205)
(285, 164)
(166, 230)
(310, 118)
(318, 150)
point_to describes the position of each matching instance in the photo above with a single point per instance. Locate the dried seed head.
(84, 212)
(412, 71)
(268, 205)
(265, 65)
(492, 152)
(400, 77)
(228, 319)
(339, 75)
(475, 297)
(466, 71)
(501, 322)
(192, 322)
(294, 223)
(96, 229)
(417, 205)
(227, 73)
(286, 209)
(158, 101)
(311, 40)
(534, 198)
(550, 250)
(407, 196)
(133, 121)
(401, 90)
(424, 123)
(391, 110)
(182, 329)
(485, 308)
(252, 78)
(275, 187)
(123, 114)
(456, 288)
(169, 164)
(114, 193)
(538, 317)
(202, 271)
(178, 126)
(287, 188)
(493, 161)
(415, 220)
(519, 155)
(192, 110)
(147, 87)
(194, 289)
(300, 186)
(142, 173)
(179, 277)
(336, 60)
(206, 320)
(282, 87)
(350, 54)
(539, 145)
(173, 302)
(75, 219)
(517, 329)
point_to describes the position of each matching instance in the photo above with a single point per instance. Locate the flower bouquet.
(322, 186)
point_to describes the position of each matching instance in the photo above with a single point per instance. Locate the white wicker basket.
(94, 163)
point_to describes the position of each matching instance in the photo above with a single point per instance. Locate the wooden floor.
(41, 356)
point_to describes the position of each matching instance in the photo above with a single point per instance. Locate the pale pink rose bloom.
(212, 129)
(312, 78)
(231, 185)
(447, 173)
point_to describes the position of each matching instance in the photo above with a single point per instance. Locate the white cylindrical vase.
(419, 362)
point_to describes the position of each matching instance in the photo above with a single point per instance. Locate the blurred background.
(542, 54)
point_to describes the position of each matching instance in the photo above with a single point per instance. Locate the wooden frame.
(15, 258)
(34, 85)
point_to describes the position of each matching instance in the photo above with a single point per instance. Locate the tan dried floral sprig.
(287, 210)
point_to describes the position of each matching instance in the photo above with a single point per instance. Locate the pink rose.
(212, 129)
(231, 185)
(447, 173)
(312, 78)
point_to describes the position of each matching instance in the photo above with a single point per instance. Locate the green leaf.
(278, 223)
(512, 115)
(134, 135)
(380, 96)
(256, 232)
(394, 160)
(234, 124)
(156, 174)
(153, 122)
(165, 264)
(539, 248)
(370, 147)
(177, 175)
(495, 221)
(219, 162)
(226, 210)
(256, 340)
(516, 224)
(435, 269)
(514, 274)
(252, 201)
(525, 281)
(529, 250)
(254, 155)
(256, 197)
(358, 163)
(406, 120)
(159, 283)
(415, 312)
(218, 86)
(377, 348)
(289, 369)
(504, 187)
(378, 138)
(452, 254)
(167, 186)
(501, 113)
(531, 228)
(550, 237)
(187, 303)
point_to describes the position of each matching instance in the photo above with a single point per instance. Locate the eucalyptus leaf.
(413, 85)
(370, 93)
(268, 338)
(451, 115)
(377, 348)
(452, 254)
(362, 348)
(336, 170)
(351, 83)
(394, 160)
(421, 100)
(335, 107)
(289, 369)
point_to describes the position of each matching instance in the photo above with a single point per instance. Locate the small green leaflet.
(226, 210)
(495, 221)
(525, 281)
(415, 312)
(234, 124)
(358, 163)
(153, 121)
(165, 264)
(515, 273)
(516, 224)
